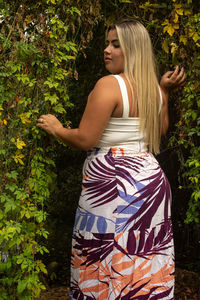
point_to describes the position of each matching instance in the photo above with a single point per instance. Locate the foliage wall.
(37, 51)
(51, 56)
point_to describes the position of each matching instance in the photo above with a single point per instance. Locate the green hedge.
(44, 68)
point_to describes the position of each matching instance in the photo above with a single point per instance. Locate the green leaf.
(53, 99)
(59, 108)
(10, 205)
(12, 174)
(22, 284)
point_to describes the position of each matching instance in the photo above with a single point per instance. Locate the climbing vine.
(182, 39)
(38, 48)
(40, 42)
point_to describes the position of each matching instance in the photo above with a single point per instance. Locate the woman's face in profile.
(113, 56)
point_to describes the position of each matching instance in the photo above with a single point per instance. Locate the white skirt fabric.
(122, 244)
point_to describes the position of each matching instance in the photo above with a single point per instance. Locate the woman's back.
(123, 128)
(126, 89)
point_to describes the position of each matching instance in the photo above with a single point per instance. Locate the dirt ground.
(187, 288)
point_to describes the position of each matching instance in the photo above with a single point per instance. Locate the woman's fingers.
(178, 77)
(173, 79)
(183, 78)
(49, 123)
(168, 73)
(175, 73)
(40, 120)
(46, 118)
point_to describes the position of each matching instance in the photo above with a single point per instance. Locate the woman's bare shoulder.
(106, 81)
(106, 85)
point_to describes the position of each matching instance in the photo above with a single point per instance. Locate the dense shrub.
(51, 56)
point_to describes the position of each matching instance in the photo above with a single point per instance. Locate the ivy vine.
(39, 45)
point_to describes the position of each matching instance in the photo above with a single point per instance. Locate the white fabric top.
(123, 132)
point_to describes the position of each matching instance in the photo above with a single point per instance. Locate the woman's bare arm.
(164, 112)
(101, 103)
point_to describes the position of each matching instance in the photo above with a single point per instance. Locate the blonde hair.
(140, 71)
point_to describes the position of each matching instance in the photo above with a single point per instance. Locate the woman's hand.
(172, 79)
(50, 124)
(169, 81)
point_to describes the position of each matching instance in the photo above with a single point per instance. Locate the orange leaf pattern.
(122, 246)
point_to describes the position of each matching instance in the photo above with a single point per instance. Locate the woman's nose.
(107, 49)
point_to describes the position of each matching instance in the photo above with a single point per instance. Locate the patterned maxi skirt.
(122, 244)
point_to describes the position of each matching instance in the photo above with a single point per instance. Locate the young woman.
(122, 241)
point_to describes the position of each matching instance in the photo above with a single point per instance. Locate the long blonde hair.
(140, 71)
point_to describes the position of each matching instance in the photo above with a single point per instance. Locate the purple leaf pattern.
(122, 245)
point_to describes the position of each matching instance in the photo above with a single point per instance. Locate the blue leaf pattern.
(101, 225)
(90, 222)
(123, 239)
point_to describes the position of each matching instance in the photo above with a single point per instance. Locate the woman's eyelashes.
(115, 45)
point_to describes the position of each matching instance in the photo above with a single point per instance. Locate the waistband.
(116, 151)
(136, 146)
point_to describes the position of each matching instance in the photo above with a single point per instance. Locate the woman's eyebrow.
(113, 41)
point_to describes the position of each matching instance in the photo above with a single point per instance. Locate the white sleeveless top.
(123, 132)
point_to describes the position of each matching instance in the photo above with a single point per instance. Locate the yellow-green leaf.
(177, 6)
(187, 12)
(53, 21)
(179, 9)
(196, 37)
(29, 19)
(20, 144)
(175, 18)
(179, 12)
(174, 48)
(191, 31)
(183, 39)
(18, 158)
(165, 46)
(11, 229)
(166, 22)
(42, 267)
(25, 118)
(170, 29)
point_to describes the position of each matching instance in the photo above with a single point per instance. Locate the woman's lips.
(107, 59)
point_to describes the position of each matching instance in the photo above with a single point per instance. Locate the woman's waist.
(128, 144)
(117, 151)
(121, 137)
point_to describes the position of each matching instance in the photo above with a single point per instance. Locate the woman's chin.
(112, 70)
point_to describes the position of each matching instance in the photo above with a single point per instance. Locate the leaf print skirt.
(122, 244)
